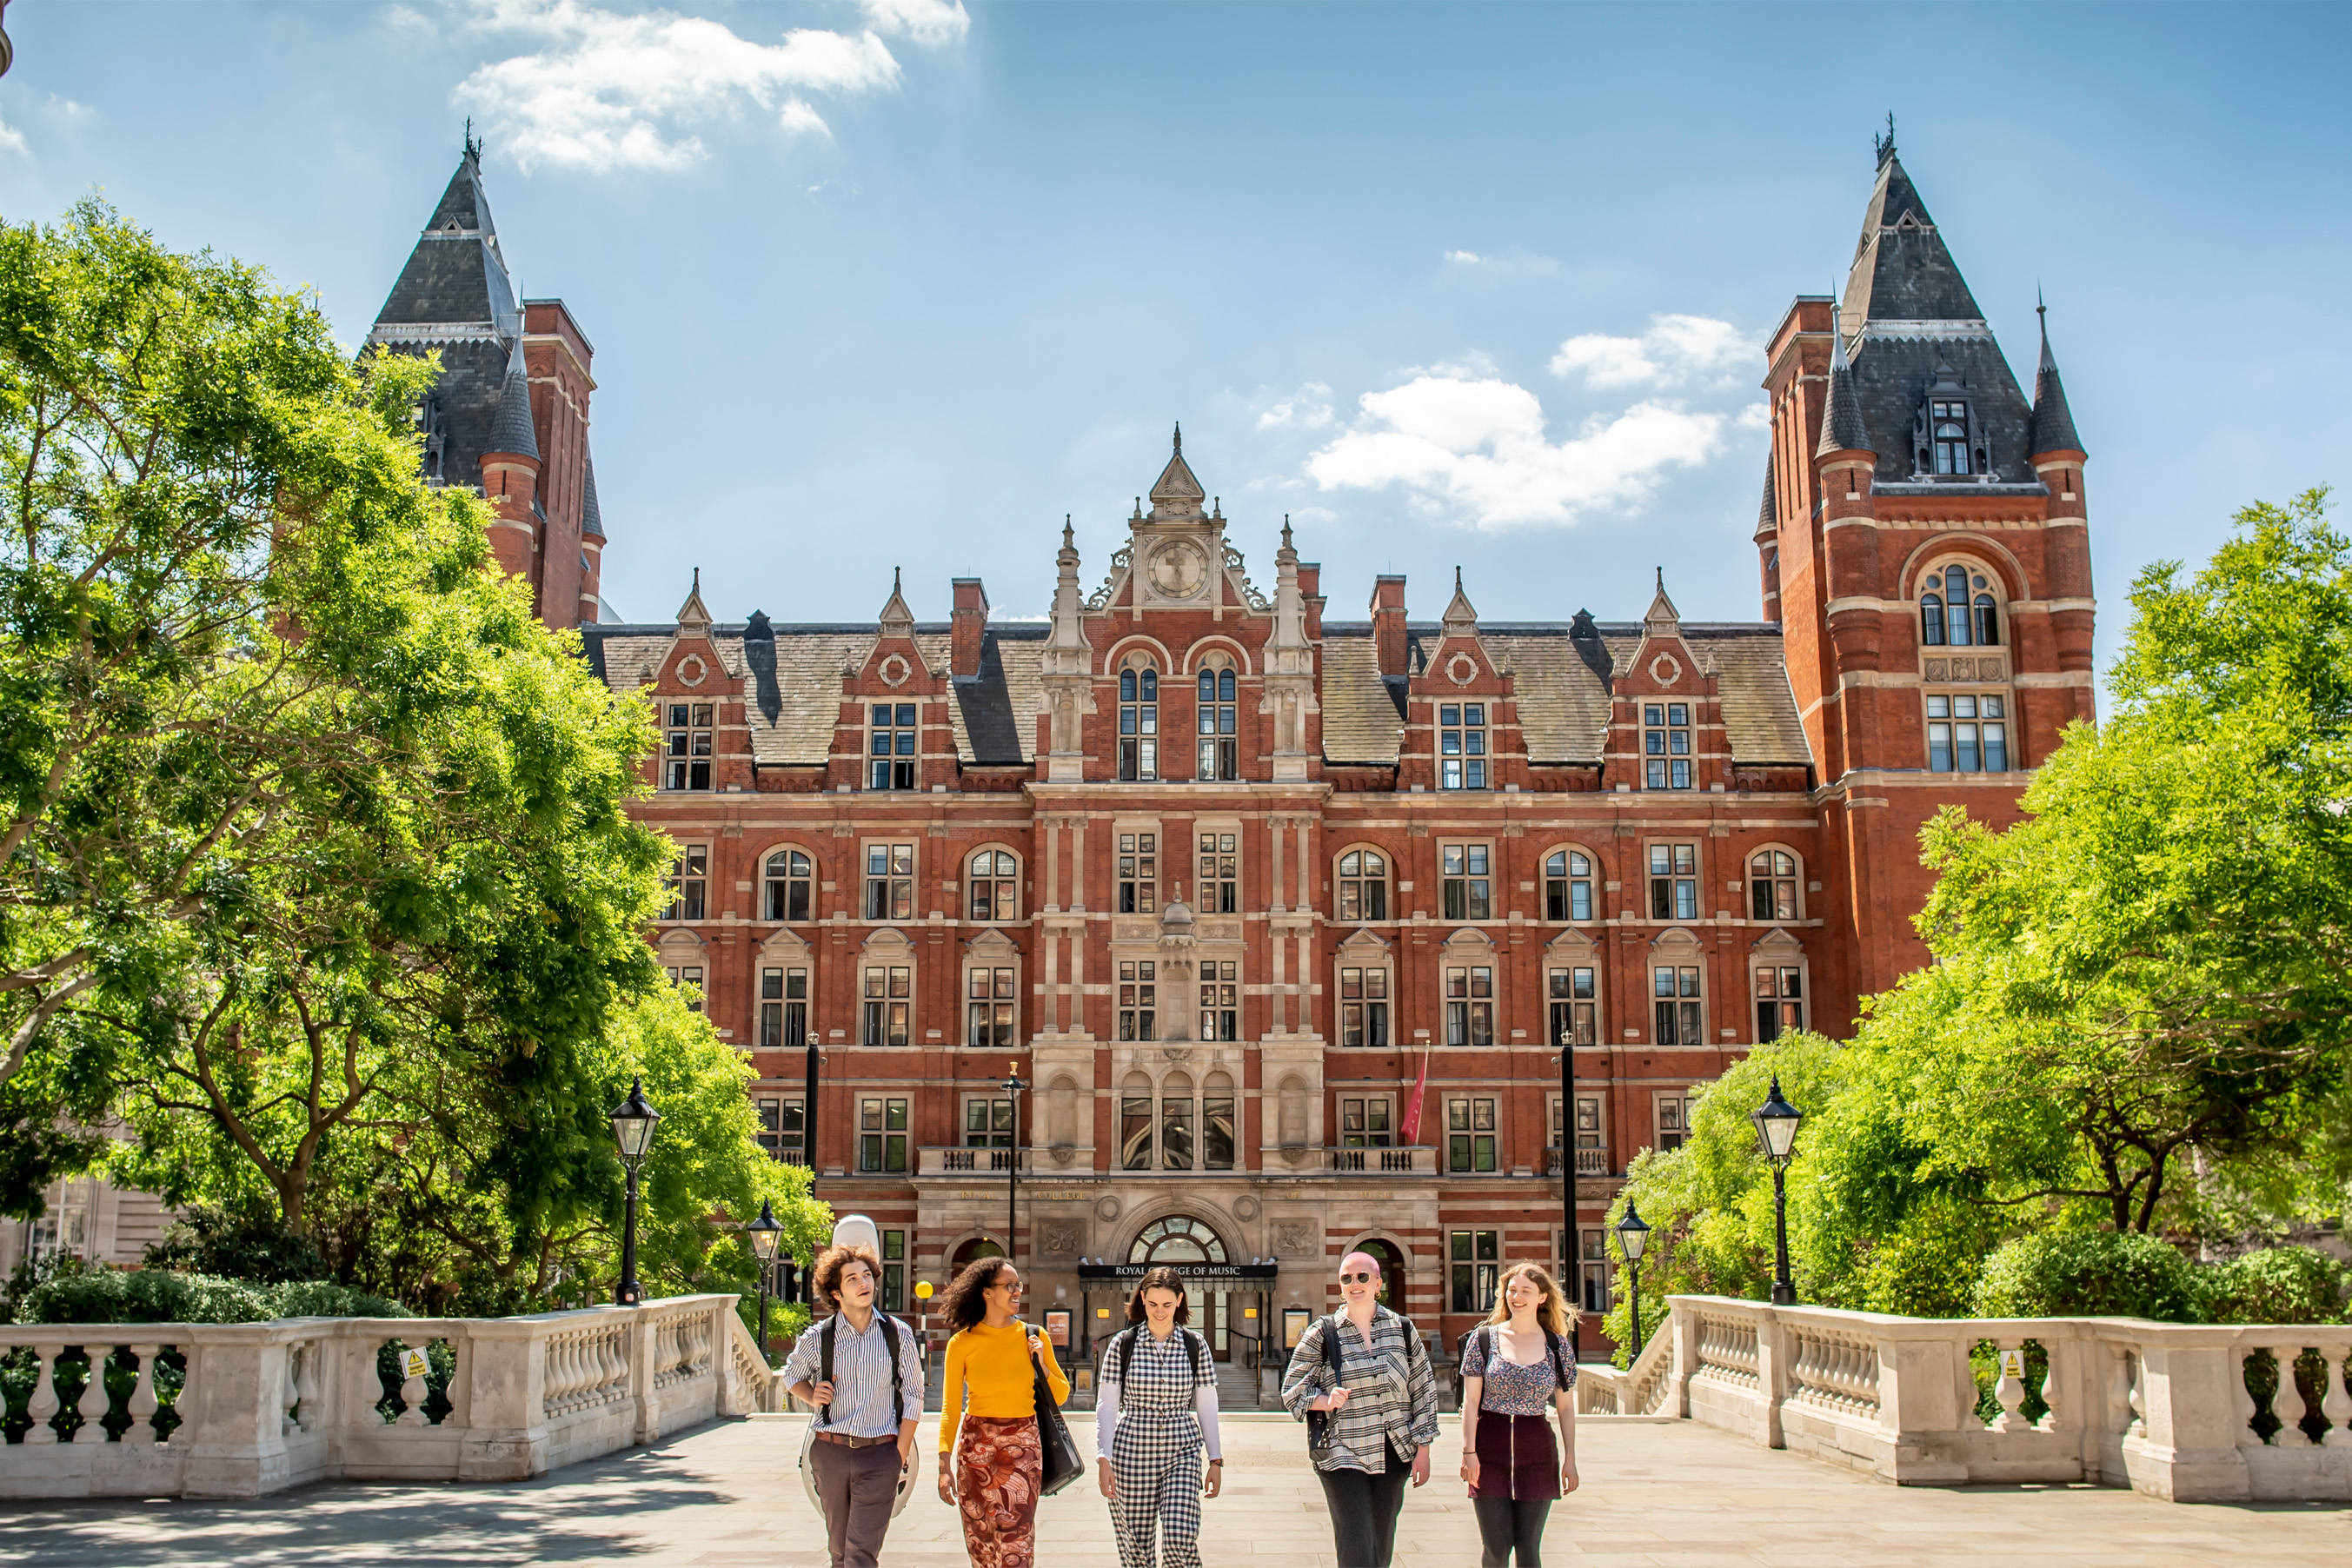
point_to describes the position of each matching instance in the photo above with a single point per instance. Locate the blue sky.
(899, 283)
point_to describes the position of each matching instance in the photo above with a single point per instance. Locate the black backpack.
(889, 1341)
(1196, 1350)
(1552, 1344)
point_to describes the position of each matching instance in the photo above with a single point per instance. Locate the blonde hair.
(1553, 1312)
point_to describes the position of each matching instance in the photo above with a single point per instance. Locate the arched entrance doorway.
(1177, 1242)
(971, 1251)
(1392, 1261)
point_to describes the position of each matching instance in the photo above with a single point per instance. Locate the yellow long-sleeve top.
(993, 1364)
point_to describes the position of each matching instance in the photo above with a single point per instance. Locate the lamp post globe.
(1776, 1137)
(633, 1121)
(765, 1233)
(1632, 1239)
(1013, 1088)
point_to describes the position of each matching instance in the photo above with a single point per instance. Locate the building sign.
(1293, 1327)
(1207, 1273)
(1057, 1329)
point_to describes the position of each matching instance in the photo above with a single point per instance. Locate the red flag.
(1412, 1129)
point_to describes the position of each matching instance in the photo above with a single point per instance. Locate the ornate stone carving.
(1293, 1239)
(1058, 1238)
(1107, 1208)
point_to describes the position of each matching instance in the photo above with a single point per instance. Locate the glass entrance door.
(1178, 1241)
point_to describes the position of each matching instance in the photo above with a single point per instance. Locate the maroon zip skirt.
(1519, 1457)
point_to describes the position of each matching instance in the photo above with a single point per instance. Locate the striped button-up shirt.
(861, 1375)
(1392, 1391)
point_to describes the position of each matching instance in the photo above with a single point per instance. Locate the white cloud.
(1309, 408)
(1676, 349)
(1467, 258)
(927, 22)
(66, 110)
(13, 141)
(1512, 262)
(1476, 448)
(606, 90)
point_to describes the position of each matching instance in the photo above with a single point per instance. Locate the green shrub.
(261, 1248)
(325, 1299)
(2280, 1285)
(164, 1295)
(2089, 1274)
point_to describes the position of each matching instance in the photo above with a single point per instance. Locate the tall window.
(1364, 1122)
(689, 883)
(1951, 423)
(1957, 610)
(1176, 1133)
(1470, 1134)
(1772, 885)
(1575, 1007)
(1138, 723)
(1220, 749)
(1461, 746)
(1464, 881)
(995, 879)
(1139, 999)
(686, 746)
(1667, 745)
(1588, 1121)
(1475, 1259)
(1673, 881)
(783, 1128)
(893, 1271)
(1221, 876)
(987, 1123)
(790, 887)
(1135, 1132)
(1469, 1005)
(890, 1004)
(1681, 1018)
(1363, 885)
(689, 977)
(1968, 733)
(1674, 1116)
(891, 746)
(1780, 1001)
(1221, 1000)
(988, 1007)
(881, 1134)
(1138, 873)
(889, 881)
(1217, 1133)
(784, 1008)
(1364, 1007)
(1567, 886)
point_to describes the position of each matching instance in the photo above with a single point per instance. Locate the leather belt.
(847, 1441)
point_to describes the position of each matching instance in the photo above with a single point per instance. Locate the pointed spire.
(1662, 619)
(895, 619)
(1176, 495)
(2053, 423)
(513, 432)
(692, 616)
(1841, 427)
(592, 516)
(1768, 515)
(1289, 601)
(1461, 618)
(1179, 437)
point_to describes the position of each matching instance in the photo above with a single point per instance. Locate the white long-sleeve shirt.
(1164, 1362)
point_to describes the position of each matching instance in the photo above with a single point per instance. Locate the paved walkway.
(728, 1494)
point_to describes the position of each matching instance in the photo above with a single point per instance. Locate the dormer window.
(686, 746)
(1951, 421)
(892, 746)
(1948, 441)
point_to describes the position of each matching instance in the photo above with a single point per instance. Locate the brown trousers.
(857, 1487)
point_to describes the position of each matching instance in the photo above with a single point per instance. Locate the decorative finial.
(1457, 579)
(894, 579)
(1180, 436)
(1661, 579)
(473, 148)
(698, 579)
(1884, 146)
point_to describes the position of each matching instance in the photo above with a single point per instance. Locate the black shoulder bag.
(1063, 1465)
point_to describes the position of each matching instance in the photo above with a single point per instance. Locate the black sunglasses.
(1358, 1279)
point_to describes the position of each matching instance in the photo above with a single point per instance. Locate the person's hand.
(1470, 1467)
(1216, 1481)
(1334, 1399)
(1567, 1478)
(947, 1480)
(1036, 1345)
(1421, 1466)
(906, 1455)
(1105, 1479)
(821, 1395)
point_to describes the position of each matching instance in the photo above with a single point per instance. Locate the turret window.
(1138, 723)
(1220, 756)
(1957, 610)
(1968, 733)
(686, 746)
(1951, 437)
(1667, 745)
(891, 746)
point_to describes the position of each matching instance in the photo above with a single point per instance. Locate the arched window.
(1178, 1240)
(1220, 747)
(1957, 609)
(1363, 885)
(1931, 617)
(1138, 722)
(790, 881)
(1567, 886)
(996, 883)
(1772, 885)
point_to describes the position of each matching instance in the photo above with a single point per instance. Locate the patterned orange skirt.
(1000, 1465)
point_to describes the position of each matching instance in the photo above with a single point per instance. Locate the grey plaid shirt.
(1392, 1392)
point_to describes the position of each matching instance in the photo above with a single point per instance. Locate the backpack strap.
(890, 1345)
(824, 1363)
(1559, 1369)
(1196, 1351)
(1125, 1349)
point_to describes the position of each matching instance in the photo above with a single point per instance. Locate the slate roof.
(592, 516)
(513, 432)
(2053, 422)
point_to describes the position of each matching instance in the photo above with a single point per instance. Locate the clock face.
(1177, 570)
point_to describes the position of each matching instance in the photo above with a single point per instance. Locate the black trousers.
(1364, 1510)
(858, 1487)
(1506, 1526)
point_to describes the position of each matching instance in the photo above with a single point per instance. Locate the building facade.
(1229, 886)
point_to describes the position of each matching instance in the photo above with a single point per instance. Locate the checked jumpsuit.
(1153, 1418)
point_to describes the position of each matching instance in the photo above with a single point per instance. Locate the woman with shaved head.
(1365, 1372)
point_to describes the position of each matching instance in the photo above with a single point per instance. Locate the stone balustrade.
(258, 1407)
(2188, 1412)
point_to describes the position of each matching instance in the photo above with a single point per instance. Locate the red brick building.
(1220, 876)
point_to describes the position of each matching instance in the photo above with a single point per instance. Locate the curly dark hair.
(825, 1281)
(963, 1303)
(1160, 1279)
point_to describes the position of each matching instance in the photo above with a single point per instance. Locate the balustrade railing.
(242, 1409)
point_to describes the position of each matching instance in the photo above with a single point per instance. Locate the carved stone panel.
(1295, 1238)
(1058, 1238)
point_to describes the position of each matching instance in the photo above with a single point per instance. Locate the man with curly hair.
(859, 1370)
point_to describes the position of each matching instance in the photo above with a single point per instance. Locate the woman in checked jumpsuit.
(1155, 1414)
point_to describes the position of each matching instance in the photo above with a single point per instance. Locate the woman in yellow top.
(990, 1461)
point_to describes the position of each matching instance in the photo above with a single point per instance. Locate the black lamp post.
(1569, 1264)
(1633, 1239)
(765, 1232)
(1776, 1133)
(1013, 1087)
(633, 1130)
(808, 1129)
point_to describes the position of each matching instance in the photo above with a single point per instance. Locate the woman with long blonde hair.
(1516, 1366)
